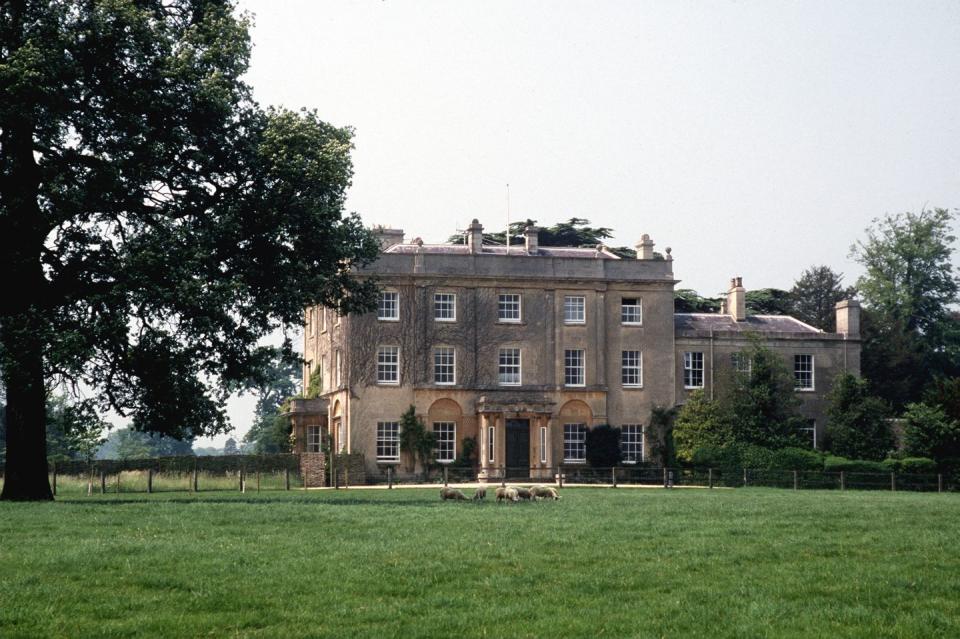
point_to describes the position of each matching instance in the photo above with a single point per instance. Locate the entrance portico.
(515, 437)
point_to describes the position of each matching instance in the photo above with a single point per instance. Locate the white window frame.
(632, 437)
(543, 444)
(574, 309)
(382, 365)
(689, 370)
(491, 443)
(740, 362)
(799, 372)
(388, 441)
(385, 306)
(313, 439)
(446, 305)
(574, 445)
(638, 321)
(518, 365)
(636, 369)
(577, 372)
(504, 304)
(444, 445)
(438, 352)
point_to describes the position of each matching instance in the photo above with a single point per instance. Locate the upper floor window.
(631, 310)
(509, 367)
(388, 308)
(388, 365)
(574, 309)
(338, 373)
(388, 441)
(444, 365)
(741, 362)
(573, 367)
(803, 372)
(574, 442)
(693, 370)
(445, 307)
(446, 438)
(631, 443)
(310, 321)
(323, 320)
(631, 368)
(508, 308)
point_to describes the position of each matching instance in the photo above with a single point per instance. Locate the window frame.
(453, 365)
(451, 444)
(583, 310)
(385, 439)
(518, 365)
(396, 364)
(737, 363)
(688, 368)
(639, 311)
(798, 372)
(381, 306)
(500, 308)
(453, 307)
(638, 369)
(579, 371)
(575, 445)
(313, 439)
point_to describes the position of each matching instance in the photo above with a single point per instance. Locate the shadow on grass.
(307, 501)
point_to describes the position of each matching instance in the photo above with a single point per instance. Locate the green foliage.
(792, 458)
(912, 465)
(73, 430)
(769, 301)
(687, 300)
(737, 456)
(269, 434)
(929, 432)
(814, 297)
(945, 393)
(127, 443)
(416, 440)
(316, 383)
(573, 232)
(857, 426)
(700, 424)
(468, 453)
(271, 429)
(603, 446)
(835, 464)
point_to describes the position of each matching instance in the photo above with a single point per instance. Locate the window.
(574, 309)
(741, 362)
(444, 365)
(509, 366)
(631, 443)
(508, 308)
(445, 307)
(339, 371)
(446, 434)
(388, 308)
(631, 310)
(631, 369)
(310, 321)
(693, 370)
(803, 372)
(491, 441)
(323, 320)
(388, 365)
(810, 432)
(323, 373)
(543, 444)
(574, 442)
(341, 439)
(313, 439)
(573, 367)
(388, 441)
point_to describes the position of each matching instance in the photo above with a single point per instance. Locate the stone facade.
(523, 349)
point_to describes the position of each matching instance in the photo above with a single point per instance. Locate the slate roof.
(758, 323)
(517, 249)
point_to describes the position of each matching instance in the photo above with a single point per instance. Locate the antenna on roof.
(508, 218)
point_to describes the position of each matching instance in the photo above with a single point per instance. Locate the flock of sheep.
(503, 493)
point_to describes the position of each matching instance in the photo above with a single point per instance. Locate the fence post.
(664, 476)
(843, 480)
(54, 479)
(444, 475)
(243, 488)
(390, 477)
(939, 483)
(346, 476)
(118, 482)
(560, 476)
(103, 483)
(90, 482)
(196, 478)
(258, 479)
(710, 477)
(796, 482)
(149, 480)
(744, 477)
(286, 478)
(613, 472)
(893, 481)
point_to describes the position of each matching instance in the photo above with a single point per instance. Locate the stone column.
(484, 451)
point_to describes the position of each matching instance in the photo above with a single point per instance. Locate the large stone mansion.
(526, 348)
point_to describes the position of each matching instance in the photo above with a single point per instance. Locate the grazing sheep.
(480, 494)
(452, 493)
(544, 492)
(523, 493)
(509, 494)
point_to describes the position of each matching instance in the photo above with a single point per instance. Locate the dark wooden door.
(518, 446)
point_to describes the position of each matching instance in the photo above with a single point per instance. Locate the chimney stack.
(475, 236)
(737, 299)
(387, 236)
(644, 248)
(532, 236)
(848, 318)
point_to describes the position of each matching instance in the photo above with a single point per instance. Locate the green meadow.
(601, 562)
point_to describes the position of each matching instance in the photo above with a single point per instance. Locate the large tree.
(155, 222)
(815, 294)
(270, 432)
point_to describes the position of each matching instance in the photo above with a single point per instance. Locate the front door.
(518, 447)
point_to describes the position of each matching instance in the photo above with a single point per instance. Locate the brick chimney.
(387, 236)
(475, 236)
(737, 299)
(644, 248)
(848, 318)
(532, 236)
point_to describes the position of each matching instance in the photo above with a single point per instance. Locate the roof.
(758, 323)
(518, 250)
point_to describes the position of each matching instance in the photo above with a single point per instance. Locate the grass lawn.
(378, 563)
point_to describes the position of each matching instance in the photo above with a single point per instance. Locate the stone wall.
(350, 469)
(313, 469)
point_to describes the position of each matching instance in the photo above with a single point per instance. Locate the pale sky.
(753, 138)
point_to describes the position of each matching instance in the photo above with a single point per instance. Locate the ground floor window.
(809, 432)
(388, 441)
(446, 434)
(313, 439)
(491, 439)
(574, 442)
(631, 442)
(543, 444)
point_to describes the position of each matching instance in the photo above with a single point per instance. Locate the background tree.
(930, 432)
(687, 300)
(230, 447)
(603, 446)
(128, 443)
(815, 294)
(699, 423)
(574, 232)
(769, 301)
(155, 221)
(74, 430)
(270, 432)
(857, 426)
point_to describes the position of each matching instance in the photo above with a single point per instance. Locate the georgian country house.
(525, 348)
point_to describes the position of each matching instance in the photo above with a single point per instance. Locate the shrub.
(603, 446)
(797, 459)
(916, 466)
(836, 464)
(929, 432)
(857, 426)
(716, 457)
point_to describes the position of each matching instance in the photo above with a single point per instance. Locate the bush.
(857, 427)
(912, 465)
(929, 432)
(603, 446)
(724, 457)
(797, 459)
(834, 464)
